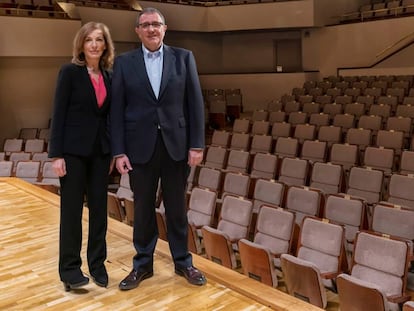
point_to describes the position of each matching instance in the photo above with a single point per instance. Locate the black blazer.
(77, 122)
(136, 113)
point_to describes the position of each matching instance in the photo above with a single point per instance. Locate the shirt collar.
(149, 54)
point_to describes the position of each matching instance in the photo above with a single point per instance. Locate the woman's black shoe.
(68, 286)
(101, 280)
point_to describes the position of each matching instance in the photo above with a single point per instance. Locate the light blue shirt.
(153, 64)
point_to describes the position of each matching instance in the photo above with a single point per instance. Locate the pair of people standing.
(149, 118)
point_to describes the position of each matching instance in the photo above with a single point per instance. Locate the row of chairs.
(30, 146)
(15, 157)
(275, 230)
(33, 133)
(362, 82)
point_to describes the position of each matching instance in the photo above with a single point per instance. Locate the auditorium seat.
(115, 209)
(319, 119)
(48, 178)
(314, 151)
(281, 129)
(238, 161)
(216, 157)
(400, 190)
(236, 184)
(366, 183)
(379, 158)
(210, 178)
(15, 157)
(220, 138)
(297, 117)
(304, 132)
(12, 145)
(260, 128)
(330, 134)
(201, 210)
(273, 236)
(378, 276)
(241, 126)
(267, 192)
(27, 133)
(6, 168)
(34, 145)
(240, 141)
(28, 170)
(294, 171)
(349, 211)
(233, 225)
(345, 155)
(259, 115)
(276, 116)
(406, 165)
(286, 147)
(261, 143)
(320, 257)
(264, 166)
(327, 177)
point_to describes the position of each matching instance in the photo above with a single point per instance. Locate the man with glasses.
(157, 133)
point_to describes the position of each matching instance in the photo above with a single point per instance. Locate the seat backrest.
(346, 210)
(327, 177)
(12, 145)
(322, 243)
(201, 207)
(28, 170)
(313, 107)
(27, 133)
(268, 192)
(274, 229)
(314, 150)
(371, 122)
(6, 168)
(264, 165)
(220, 138)
(44, 134)
(240, 141)
(241, 126)
(281, 129)
(304, 201)
(390, 139)
(407, 162)
(238, 161)
(294, 171)
(210, 178)
(260, 115)
(260, 127)
(379, 158)
(277, 116)
(304, 132)
(216, 157)
(393, 220)
(330, 134)
(366, 183)
(236, 184)
(359, 136)
(344, 121)
(400, 190)
(382, 261)
(124, 191)
(402, 124)
(319, 119)
(48, 175)
(286, 147)
(34, 145)
(261, 143)
(235, 217)
(297, 117)
(345, 155)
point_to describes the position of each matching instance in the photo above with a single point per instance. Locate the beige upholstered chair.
(264, 166)
(381, 263)
(216, 157)
(268, 192)
(28, 170)
(294, 171)
(400, 190)
(319, 259)
(238, 161)
(115, 209)
(314, 151)
(260, 257)
(327, 177)
(366, 183)
(233, 225)
(286, 147)
(350, 212)
(220, 138)
(6, 168)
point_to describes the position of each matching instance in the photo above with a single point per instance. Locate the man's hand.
(195, 157)
(59, 167)
(122, 164)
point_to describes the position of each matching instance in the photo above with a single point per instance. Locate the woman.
(80, 149)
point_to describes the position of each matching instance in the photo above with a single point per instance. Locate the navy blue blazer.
(136, 113)
(77, 122)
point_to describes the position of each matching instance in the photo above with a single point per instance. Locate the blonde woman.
(80, 149)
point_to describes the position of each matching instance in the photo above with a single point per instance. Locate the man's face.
(151, 31)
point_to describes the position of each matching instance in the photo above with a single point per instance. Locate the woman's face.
(94, 46)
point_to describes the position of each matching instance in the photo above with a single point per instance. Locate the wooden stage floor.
(29, 228)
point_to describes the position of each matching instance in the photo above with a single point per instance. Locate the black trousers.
(85, 175)
(144, 180)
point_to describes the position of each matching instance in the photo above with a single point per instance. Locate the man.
(157, 130)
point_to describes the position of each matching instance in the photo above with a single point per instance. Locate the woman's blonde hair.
(107, 58)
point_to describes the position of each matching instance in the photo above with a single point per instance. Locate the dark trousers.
(144, 180)
(85, 175)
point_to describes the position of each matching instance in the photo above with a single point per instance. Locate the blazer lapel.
(168, 65)
(140, 69)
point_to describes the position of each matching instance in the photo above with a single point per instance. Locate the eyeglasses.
(155, 25)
